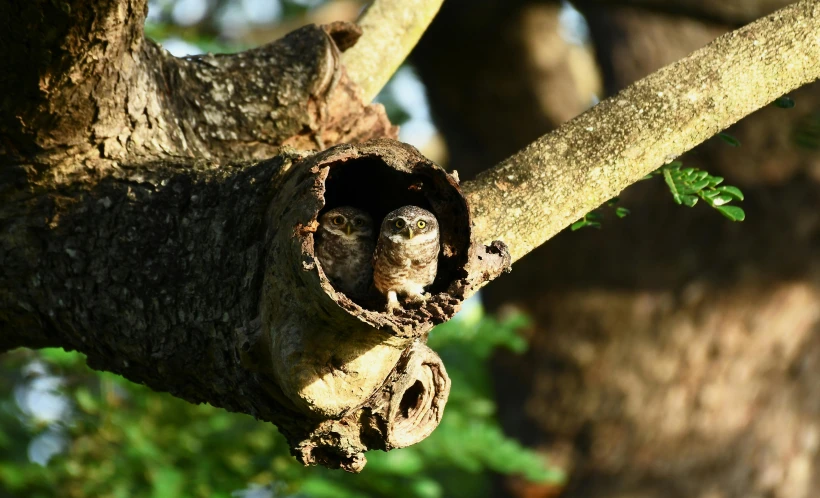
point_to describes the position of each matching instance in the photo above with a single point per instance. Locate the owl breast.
(347, 263)
(406, 266)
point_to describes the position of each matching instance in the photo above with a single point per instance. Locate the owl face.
(409, 224)
(347, 223)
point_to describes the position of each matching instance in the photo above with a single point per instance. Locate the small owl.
(406, 257)
(345, 249)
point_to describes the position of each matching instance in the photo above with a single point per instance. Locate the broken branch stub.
(349, 364)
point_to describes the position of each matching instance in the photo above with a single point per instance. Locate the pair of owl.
(402, 261)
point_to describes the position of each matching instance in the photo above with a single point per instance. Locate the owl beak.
(409, 233)
(348, 228)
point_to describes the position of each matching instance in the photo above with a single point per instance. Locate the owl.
(346, 240)
(406, 257)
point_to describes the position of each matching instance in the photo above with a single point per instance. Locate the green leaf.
(698, 186)
(622, 212)
(734, 213)
(732, 191)
(670, 182)
(715, 180)
(585, 222)
(721, 200)
(688, 200)
(784, 102)
(729, 139)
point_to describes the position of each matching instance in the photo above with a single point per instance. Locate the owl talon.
(392, 301)
(419, 298)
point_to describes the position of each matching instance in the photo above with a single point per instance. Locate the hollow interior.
(416, 414)
(411, 400)
(368, 183)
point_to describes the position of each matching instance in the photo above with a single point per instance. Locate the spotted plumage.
(346, 239)
(406, 257)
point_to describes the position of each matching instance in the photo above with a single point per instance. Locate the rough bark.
(730, 12)
(391, 30)
(554, 181)
(137, 231)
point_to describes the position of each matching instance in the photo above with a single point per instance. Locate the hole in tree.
(369, 184)
(411, 400)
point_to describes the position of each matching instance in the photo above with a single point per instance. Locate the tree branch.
(391, 28)
(132, 99)
(553, 182)
(730, 11)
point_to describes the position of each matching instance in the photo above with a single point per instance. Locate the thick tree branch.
(730, 11)
(534, 194)
(119, 97)
(391, 28)
(50, 80)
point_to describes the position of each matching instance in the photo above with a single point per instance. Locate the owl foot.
(418, 297)
(392, 301)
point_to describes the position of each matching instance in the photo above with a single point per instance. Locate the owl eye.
(358, 222)
(338, 220)
(399, 223)
(421, 224)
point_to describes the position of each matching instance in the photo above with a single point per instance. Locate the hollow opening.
(370, 184)
(411, 400)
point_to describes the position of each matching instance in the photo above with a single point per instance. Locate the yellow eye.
(399, 223)
(421, 224)
(338, 220)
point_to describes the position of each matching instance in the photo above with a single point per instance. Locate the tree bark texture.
(731, 13)
(140, 228)
(556, 180)
(391, 30)
(672, 353)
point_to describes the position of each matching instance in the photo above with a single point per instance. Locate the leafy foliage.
(687, 185)
(690, 184)
(590, 220)
(119, 439)
(594, 218)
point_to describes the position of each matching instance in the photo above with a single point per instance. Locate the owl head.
(409, 224)
(347, 223)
